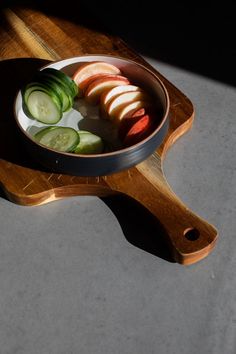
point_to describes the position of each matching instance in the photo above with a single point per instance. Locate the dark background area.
(196, 36)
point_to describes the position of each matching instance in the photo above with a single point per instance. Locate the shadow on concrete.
(139, 226)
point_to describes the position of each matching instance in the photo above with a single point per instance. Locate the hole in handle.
(192, 234)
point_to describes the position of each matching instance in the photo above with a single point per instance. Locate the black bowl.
(108, 162)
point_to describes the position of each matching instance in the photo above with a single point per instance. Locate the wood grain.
(27, 33)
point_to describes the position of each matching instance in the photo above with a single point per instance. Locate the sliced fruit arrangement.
(67, 139)
(128, 106)
(48, 95)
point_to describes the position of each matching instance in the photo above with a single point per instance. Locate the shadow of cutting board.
(25, 36)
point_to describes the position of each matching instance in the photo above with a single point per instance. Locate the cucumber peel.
(48, 96)
(63, 139)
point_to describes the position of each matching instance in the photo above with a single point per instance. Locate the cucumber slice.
(42, 132)
(44, 107)
(33, 86)
(89, 143)
(41, 86)
(65, 79)
(49, 95)
(59, 138)
(57, 88)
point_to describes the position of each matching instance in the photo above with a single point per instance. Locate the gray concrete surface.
(71, 283)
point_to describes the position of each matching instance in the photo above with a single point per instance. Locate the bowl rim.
(111, 153)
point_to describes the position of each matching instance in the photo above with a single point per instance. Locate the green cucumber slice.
(89, 143)
(63, 139)
(50, 93)
(56, 88)
(42, 132)
(60, 88)
(44, 107)
(63, 79)
(36, 86)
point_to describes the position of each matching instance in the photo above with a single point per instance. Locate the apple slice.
(139, 130)
(130, 107)
(129, 120)
(136, 113)
(107, 96)
(93, 68)
(85, 83)
(98, 86)
(122, 99)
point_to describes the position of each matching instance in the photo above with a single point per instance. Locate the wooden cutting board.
(29, 39)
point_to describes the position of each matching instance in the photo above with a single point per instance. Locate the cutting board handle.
(190, 237)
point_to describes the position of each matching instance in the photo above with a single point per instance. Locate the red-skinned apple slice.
(139, 130)
(136, 113)
(129, 120)
(98, 86)
(122, 99)
(93, 68)
(126, 109)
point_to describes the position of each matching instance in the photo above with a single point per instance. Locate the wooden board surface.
(29, 39)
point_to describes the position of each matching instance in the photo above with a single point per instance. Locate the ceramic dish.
(107, 162)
